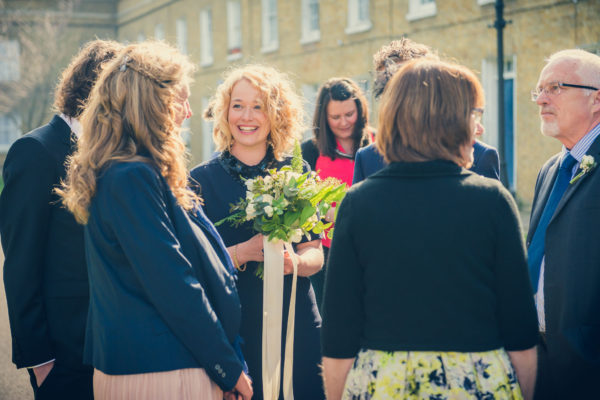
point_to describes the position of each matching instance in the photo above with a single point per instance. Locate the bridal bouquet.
(287, 204)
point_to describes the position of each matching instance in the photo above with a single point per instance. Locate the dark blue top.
(485, 162)
(220, 185)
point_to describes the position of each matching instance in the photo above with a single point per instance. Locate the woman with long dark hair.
(341, 127)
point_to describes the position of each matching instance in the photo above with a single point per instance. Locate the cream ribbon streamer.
(273, 321)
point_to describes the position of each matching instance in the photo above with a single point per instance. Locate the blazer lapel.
(544, 193)
(593, 151)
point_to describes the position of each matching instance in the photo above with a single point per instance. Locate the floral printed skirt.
(432, 375)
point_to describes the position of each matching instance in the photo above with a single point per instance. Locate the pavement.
(14, 384)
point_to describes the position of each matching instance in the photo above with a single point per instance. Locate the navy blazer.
(485, 162)
(161, 296)
(367, 161)
(45, 275)
(570, 362)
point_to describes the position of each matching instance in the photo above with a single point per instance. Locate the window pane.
(234, 28)
(159, 32)
(9, 60)
(181, 29)
(363, 10)
(314, 15)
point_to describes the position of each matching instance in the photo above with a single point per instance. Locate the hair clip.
(123, 66)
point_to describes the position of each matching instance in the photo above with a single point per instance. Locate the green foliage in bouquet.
(287, 204)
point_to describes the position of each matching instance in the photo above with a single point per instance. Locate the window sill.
(234, 56)
(207, 63)
(421, 13)
(359, 27)
(311, 37)
(270, 48)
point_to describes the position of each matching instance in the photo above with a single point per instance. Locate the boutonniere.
(587, 164)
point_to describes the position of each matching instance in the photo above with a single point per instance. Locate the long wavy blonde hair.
(130, 116)
(283, 107)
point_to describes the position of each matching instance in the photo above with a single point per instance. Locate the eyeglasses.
(554, 88)
(477, 114)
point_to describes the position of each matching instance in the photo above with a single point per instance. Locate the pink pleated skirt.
(184, 384)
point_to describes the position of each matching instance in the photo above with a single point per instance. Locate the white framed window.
(208, 145)
(418, 9)
(10, 67)
(206, 38)
(234, 30)
(270, 39)
(10, 129)
(181, 33)
(310, 21)
(358, 16)
(159, 32)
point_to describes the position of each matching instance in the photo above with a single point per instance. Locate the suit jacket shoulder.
(486, 161)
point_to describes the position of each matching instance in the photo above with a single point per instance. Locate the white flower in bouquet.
(296, 236)
(292, 174)
(268, 211)
(250, 212)
(268, 182)
(250, 184)
(266, 198)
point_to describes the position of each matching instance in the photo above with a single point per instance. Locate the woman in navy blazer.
(164, 310)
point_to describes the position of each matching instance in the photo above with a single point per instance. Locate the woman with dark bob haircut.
(436, 301)
(340, 126)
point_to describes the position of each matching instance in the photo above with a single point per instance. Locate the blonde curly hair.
(130, 116)
(283, 107)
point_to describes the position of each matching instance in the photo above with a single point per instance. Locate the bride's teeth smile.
(247, 128)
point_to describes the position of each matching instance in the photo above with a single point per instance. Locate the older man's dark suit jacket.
(569, 363)
(45, 274)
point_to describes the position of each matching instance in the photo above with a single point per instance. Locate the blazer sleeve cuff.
(31, 352)
(225, 373)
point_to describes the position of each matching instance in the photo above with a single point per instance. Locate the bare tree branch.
(42, 35)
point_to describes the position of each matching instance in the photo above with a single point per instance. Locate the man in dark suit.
(45, 274)
(386, 62)
(563, 241)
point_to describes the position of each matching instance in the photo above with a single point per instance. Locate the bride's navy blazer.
(162, 296)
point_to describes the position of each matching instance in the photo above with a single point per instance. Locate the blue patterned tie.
(535, 252)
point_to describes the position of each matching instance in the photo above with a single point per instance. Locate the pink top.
(341, 168)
